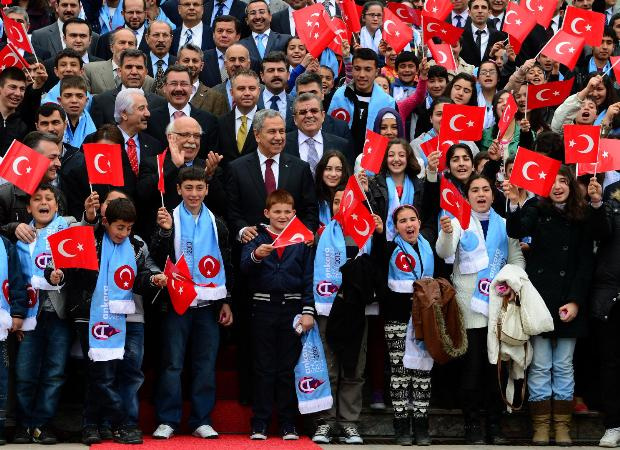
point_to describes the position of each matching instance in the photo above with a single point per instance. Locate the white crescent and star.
(385, 26)
(526, 166)
(15, 165)
(540, 97)
(588, 138)
(508, 13)
(574, 23)
(17, 35)
(297, 237)
(398, 13)
(5, 64)
(453, 120)
(350, 201)
(429, 28)
(365, 231)
(62, 251)
(528, 5)
(558, 47)
(96, 162)
(444, 194)
(444, 57)
(207, 261)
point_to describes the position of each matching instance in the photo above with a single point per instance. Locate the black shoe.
(126, 435)
(2, 438)
(473, 434)
(495, 435)
(106, 433)
(420, 426)
(90, 435)
(44, 435)
(22, 435)
(402, 434)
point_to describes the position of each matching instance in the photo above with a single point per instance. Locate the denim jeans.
(129, 376)
(551, 372)
(200, 325)
(40, 369)
(4, 383)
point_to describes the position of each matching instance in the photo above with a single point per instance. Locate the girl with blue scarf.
(479, 253)
(332, 171)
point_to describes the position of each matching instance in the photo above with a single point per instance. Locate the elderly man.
(132, 72)
(236, 59)
(309, 142)
(159, 58)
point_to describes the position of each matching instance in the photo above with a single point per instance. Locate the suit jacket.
(334, 127)
(280, 22)
(227, 144)
(102, 107)
(246, 191)
(103, 46)
(209, 100)
(237, 9)
(221, 89)
(469, 51)
(330, 142)
(149, 63)
(48, 38)
(289, 103)
(210, 74)
(275, 42)
(207, 39)
(100, 76)
(160, 118)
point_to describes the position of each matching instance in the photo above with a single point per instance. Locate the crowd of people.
(256, 132)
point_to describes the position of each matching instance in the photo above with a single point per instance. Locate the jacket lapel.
(283, 171)
(255, 172)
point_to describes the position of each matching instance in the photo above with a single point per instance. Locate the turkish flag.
(510, 109)
(452, 201)
(543, 10)
(516, 45)
(430, 146)
(306, 19)
(396, 33)
(405, 13)
(442, 54)
(548, 94)
(564, 48)
(518, 23)
(74, 248)
(534, 171)
(615, 66)
(23, 167)
(351, 15)
(294, 233)
(608, 158)
(359, 225)
(462, 122)
(160, 172)
(312, 26)
(374, 151)
(351, 197)
(586, 24)
(341, 33)
(11, 58)
(180, 286)
(16, 34)
(581, 143)
(445, 31)
(437, 9)
(104, 164)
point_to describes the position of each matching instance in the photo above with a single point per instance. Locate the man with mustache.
(274, 74)
(159, 38)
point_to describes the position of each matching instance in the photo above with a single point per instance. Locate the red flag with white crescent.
(294, 233)
(442, 54)
(608, 158)
(586, 24)
(104, 164)
(396, 33)
(359, 225)
(462, 122)
(543, 10)
(510, 109)
(548, 94)
(581, 143)
(518, 23)
(564, 48)
(10, 57)
(16, 34)
(445, 31)
(351, 197)
(374, 151)
(438, 9)
(74, 248)
(452, 200)
(405, 13)
(161, 187)
(180, 285)
(534, 171)
(23, 167)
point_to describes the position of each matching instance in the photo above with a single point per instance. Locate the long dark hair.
(575, 209)
(449, 154)
(413, 167)
(324, 192)
(610, 97)
(473, 100)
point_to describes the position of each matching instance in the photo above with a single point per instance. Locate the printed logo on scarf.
(42, 260)
(32, 296)
(341, 114)
(308, 385)
(484, 285)
(5, 291)
(326, 288)
(209, 266)
(124, 277)
(405, 262)
(104, 331)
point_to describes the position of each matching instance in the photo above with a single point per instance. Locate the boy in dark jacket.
(280, 283)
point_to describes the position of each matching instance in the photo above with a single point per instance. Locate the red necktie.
(270, 179)
(132, 153)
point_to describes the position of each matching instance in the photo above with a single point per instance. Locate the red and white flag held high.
(23, 167)
(518, 22)
(548, 94)
(442, 54)
(608, 158)
(586, 24)
(351, 15)
(306, 20)
(543, 10)
(564, 48)
(462, 122)
(452, 201)
(11, 58)
(438, 9)
(432, 145)
(341, 33)
(312, 26)
(510, 109)
(351, 197)
(74, 248)
(396, 33)
(374, 151)
(294, 233)
(581, 143)
(359, 225)
(16, 34)
(445, 31)
(104, 164)
(405, 13)
(161, 184)
(534, 171)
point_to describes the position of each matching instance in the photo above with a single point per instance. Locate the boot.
(495, 436)
(420, 427)
(541, 421)
(473, 431)
(402, 434)
(562, 415)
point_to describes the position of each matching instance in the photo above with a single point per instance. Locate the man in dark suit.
(134, 12)
(193, 29)
(236, 136)
(226, 31)
(274, 75)
(132, 74)
(236, 59)
(235, 8)
(158, 59)
(177, 90)
(478, 37)
(308, 141)
(262, 40)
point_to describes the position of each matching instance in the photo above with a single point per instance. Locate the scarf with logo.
(378, 100)
(331, 254)
(394, 202)
(5, 309)
(402, 271)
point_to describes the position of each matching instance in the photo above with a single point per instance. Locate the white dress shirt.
(139, 33)
(196, 35)
(464, 15)
(194, 89)
(500, 20)
(62, 37)
(135, 139)
(171, 110)
(303, 145)
(238, 115)
(555, 23)
(275, 166)
(281, 101)
(484, 38)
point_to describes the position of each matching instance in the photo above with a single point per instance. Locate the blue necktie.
(189, 35)
(220, 9)
(259, 45)
(274, 103)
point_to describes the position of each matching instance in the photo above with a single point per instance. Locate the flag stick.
(598, 153)
(162, 199)
(525, 112)
(363, 192)
(91, 193)
(156, 295)
(14, 51)
(611, 67)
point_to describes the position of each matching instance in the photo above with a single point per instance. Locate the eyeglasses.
(196, 136)
(305, 112)
(488, 72)
(183, 84)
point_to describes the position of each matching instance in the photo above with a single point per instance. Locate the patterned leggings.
(402, 379)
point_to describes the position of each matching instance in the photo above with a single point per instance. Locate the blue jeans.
(129, 372)
(4, 382)
(40, 369)
(199, 324)
(551, 372)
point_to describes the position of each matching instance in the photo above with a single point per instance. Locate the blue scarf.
(106, 340)
(120, 282)
(394, 202)
(592, 67)
(53, 94)
(325, 213)
(108, 23)
(378, 100)
(331, 254)
(328, 58)
(5, 309)
(600, 118)
(483, 256)
(311, 375)
(400, 275)
(197, 240)
(84, 127)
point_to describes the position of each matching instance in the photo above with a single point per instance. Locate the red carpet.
(225, 442)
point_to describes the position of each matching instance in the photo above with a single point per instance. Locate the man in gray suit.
(50, 37)
(236, 59)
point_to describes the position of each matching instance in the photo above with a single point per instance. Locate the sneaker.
(289, 433)
(351, 436)
(205, 432)
(22, 435)
(322, 435)
(44, 435)
(163, 432)
(105, 432)
(128, 435)
(259, 433)
(90, 435)
(377, 402)
(611, 438)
